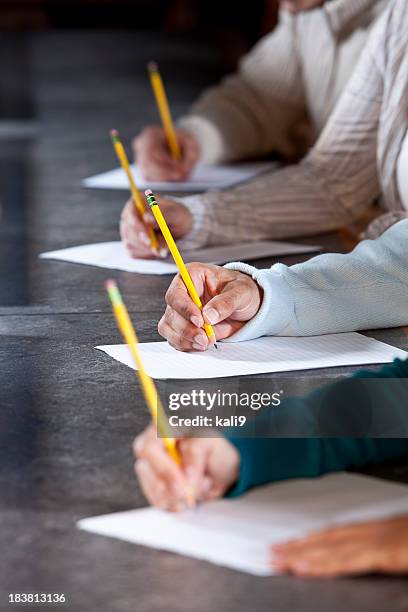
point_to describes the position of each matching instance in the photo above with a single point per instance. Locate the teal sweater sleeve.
(266, 460)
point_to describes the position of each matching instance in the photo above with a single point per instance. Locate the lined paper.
(238, 533)
(113, 255)
(268, 354)
(203, 177)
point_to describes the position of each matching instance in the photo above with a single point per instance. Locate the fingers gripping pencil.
(178, 259)
(164, 109)
(137, 198)
(149, 388)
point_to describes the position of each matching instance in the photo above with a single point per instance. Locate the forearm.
(232, 123)
(332, 293)
(253, 112)
(335, 184)
(292, 202)
(272, 460)
(264, 460)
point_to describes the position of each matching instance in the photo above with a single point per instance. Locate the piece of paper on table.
(203, 177)
(268, 354)
(113, 255)
(238, 533)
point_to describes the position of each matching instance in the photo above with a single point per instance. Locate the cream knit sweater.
(353, 162)
(294, 74)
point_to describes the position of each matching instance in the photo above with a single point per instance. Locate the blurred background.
(232, 25)
(72, 69)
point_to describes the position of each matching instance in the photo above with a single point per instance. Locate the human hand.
(230, 299)
(209, 467)
(133, 230)
(155, 160)
(378, 546)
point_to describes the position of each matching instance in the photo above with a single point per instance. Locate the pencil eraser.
(114, 133)
(109, 284)
(148, 192)
(152, 66)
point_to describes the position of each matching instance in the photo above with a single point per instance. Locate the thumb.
(223, 305)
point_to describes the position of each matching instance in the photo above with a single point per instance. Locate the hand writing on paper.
(230, 299)
(134, 233)
(380, 546)
(210, 466)
(154, 158)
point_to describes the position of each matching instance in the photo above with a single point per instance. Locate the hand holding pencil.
(173, 477)
(164, 153)
(178, 260)
(230, 299)
(136, 200)
(134, 233)
(153, 156)
(210, 466)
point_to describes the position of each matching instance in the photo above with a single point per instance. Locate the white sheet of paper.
(110, 255)
(269, 354)
(202, 178)
(237, 533)
(113, 255)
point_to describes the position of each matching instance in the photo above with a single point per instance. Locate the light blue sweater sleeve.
(364, 289)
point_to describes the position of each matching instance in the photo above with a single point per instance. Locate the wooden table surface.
(68, 413)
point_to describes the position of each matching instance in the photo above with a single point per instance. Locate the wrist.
(259, 296)
(276, 304)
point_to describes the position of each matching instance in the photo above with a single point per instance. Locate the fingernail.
(191, 474)
(302, 565)
(191, 499)
(196, 320)
(143, 238)
(200, 340)
(163, 253)
(207, 485)
(179, 491)
(211, 315)
(198, 347)
(277, 553)
(180, 507)
(276, 565)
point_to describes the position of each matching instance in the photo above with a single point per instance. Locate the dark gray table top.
(68, 413)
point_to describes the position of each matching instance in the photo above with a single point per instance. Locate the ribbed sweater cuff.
(277, 309)
(207, 135)
(198, 236)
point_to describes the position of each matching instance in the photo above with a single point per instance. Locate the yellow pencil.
(137, 198)
(177, 258)
(149, 388)
(164, 109)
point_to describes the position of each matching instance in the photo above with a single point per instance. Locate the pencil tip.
(152, 66)
(215, 346)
